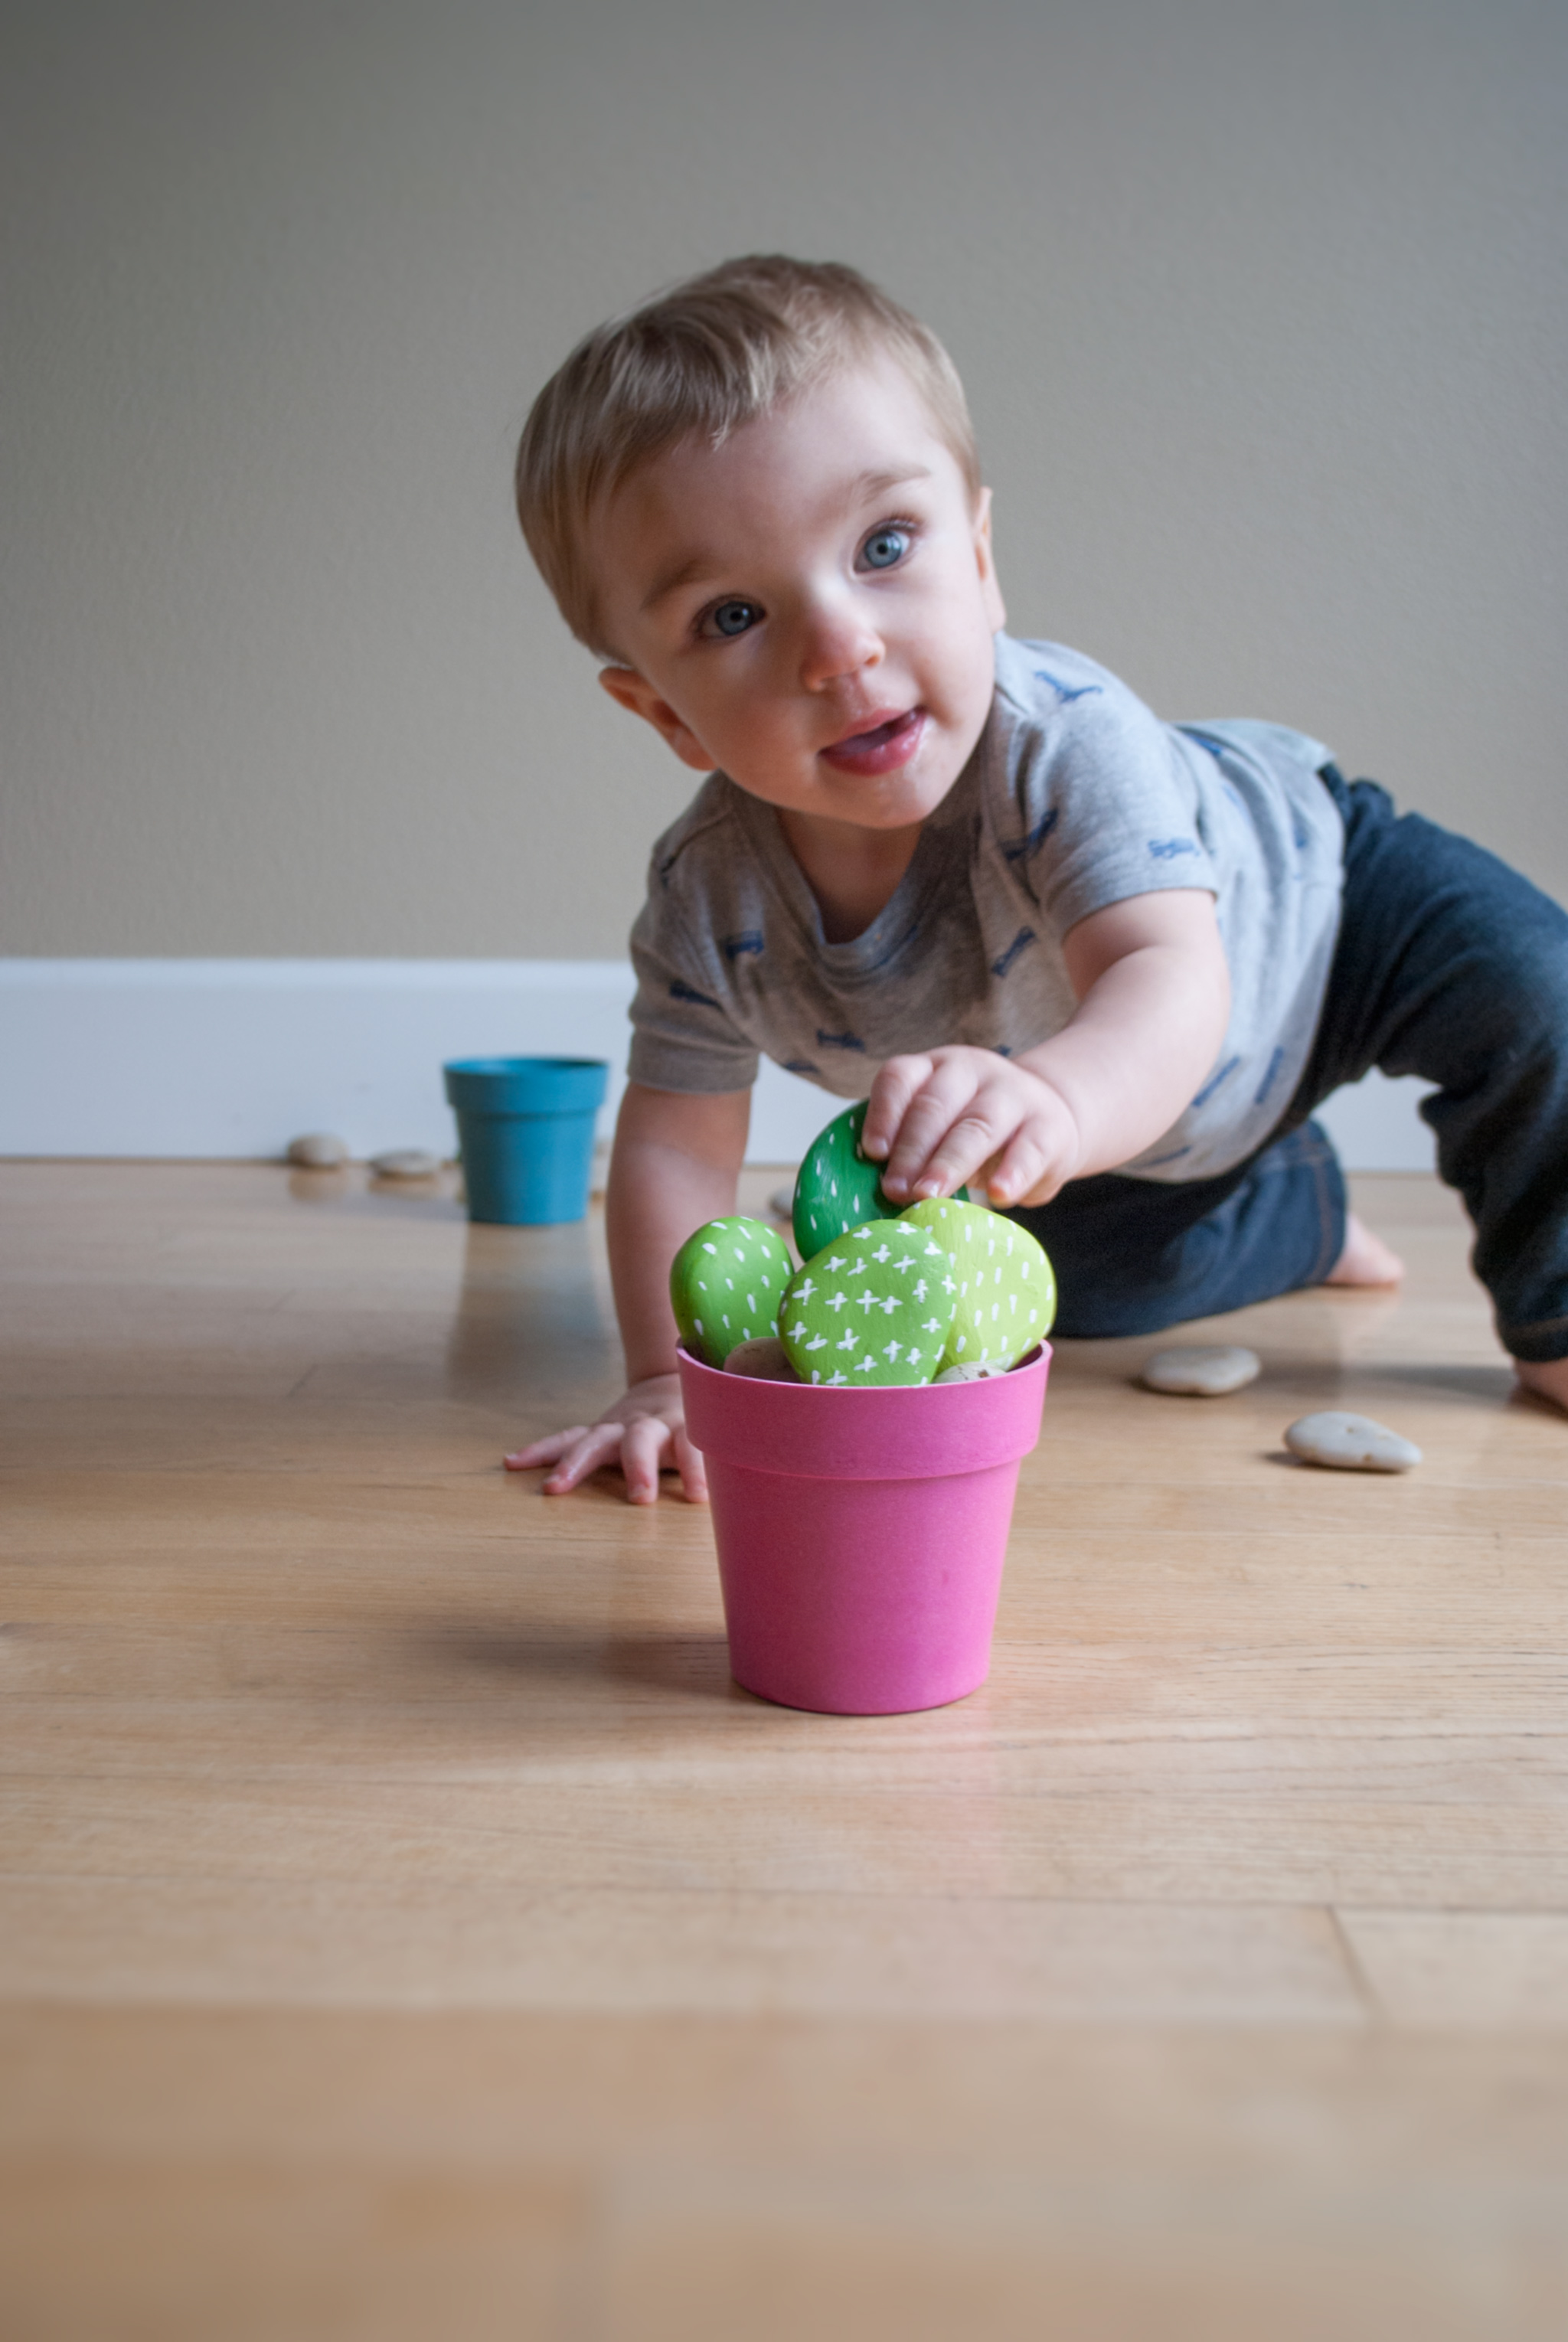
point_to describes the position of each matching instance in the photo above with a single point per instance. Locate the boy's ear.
(634, 693)
(996, 609)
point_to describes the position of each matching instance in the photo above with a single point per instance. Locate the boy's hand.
(959, 1114)
(642, 1431)
(1153, 1000)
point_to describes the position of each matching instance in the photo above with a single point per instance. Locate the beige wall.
(1262, 309)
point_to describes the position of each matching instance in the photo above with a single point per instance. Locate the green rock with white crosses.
(1005, 1297)
(837, 1188)
(872, 1308)
(725, 1285)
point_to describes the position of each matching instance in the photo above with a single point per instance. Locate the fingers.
(641, 1432)
(692, 1470)
(643, 1445)
(895, 1086)
(594, 1447)
(963, 1151)
(1025, 1172)
(977, 1118)
(544, 1451)
(1041, 1155)
(947, 1132)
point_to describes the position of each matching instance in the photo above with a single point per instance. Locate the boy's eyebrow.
(693, 566)
(877, 483)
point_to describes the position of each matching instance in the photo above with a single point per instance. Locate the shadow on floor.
(686, 1665)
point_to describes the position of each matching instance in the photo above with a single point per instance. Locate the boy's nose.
(838, 642)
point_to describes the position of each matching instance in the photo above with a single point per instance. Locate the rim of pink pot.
(890, 1432)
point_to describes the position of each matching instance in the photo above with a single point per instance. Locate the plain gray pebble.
(318, 1150)
(1350, 1443)
(1201, 1373)
(405, 1162)
(763, 1358)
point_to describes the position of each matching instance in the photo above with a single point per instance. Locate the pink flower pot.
(862, 1533)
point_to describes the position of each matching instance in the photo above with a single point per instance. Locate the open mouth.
(882, 747)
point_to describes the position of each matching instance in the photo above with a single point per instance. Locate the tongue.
(875, 739)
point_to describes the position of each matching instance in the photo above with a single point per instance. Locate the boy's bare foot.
(1547, 1378)
(1365, 1259)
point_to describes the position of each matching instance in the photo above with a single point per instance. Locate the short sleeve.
(1101, 802)
(682, 1037)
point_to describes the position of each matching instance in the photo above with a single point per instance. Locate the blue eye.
(732, 618)
(885, 548)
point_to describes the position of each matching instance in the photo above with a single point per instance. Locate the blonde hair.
(705, 357)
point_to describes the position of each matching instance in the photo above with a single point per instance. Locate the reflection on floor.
(409, 1930)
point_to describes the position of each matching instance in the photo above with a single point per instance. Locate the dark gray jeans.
(1448, 964)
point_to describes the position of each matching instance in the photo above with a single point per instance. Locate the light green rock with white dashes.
(725, 1283)
(874, 1308)
(1005, 1291)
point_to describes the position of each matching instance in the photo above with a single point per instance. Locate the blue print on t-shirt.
(799, 1066)
(1035, 839)
(736, 947)
(1067, 690)
(839, 1041)
(1174, 1156)
(1166, 849)
(1212, 1084)
(1275, 1062)
(679, 991)
(1020, 942)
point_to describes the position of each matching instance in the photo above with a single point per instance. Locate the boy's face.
(810, 607)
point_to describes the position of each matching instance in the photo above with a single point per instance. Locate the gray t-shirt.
(1076, 797)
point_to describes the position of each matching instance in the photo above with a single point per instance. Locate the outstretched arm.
(1154, 1002)
(675, 1162)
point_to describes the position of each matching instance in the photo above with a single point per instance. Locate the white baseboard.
(234, 1057)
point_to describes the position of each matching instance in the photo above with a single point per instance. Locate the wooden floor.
(408, 1930)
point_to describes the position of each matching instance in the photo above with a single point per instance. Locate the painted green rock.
(837, 1188)
(1005, 1295)
(724, 1285)
(876, 1307)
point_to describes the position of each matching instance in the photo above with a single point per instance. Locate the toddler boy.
(1101, 966)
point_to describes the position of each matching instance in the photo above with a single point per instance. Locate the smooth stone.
(976, 1371)
(405, 1162)
(318, 1150)
(1350, 1443)
(873, 1309)
(1004, 1290)
(1198, 1373)
(837, 1188)
(726, 1286)
(763, 1358)
(781, 1203)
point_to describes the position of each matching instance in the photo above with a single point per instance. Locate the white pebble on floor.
(1350, 1443)
(1201, 1373)
(405, 1162)
(318, 1150)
